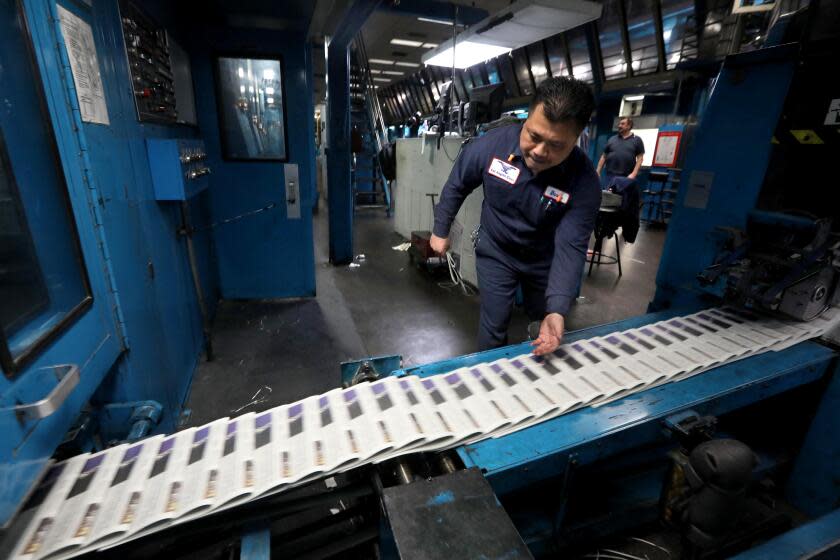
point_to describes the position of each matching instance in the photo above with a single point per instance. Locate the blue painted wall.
(148, 257)
(265, 255)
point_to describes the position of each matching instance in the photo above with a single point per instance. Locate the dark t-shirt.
(621, 154)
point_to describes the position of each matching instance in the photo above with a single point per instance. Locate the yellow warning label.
(806, 137)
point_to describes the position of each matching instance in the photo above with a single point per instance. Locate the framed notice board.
(667, 148)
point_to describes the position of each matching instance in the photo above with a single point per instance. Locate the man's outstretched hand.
(440, 245)
(551, 333)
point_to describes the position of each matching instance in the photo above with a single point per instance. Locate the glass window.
(427, 77)
(410, 100)
(678, 31)
(523, 76)
(441, 77)
(43, 282)
(493, 72)
(419, 92)
(466, 79)
(579, 53)
(717, 30)
(251, 109)
(536, 56)
(556, 55)
(505, 62)
(459, 86)
(475, 74)
(609, 34)
(642, 34)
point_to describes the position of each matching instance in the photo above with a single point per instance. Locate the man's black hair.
(565, 99)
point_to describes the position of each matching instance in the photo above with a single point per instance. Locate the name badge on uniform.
(504, 171)
(555, 194)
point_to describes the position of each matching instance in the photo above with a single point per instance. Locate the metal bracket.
(368, 369)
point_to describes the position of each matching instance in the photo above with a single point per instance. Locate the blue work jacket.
(530, 217)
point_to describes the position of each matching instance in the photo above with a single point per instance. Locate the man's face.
(545, 144)
(624, 126)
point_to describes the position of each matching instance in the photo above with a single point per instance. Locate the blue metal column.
(339, 185)
(593, 45)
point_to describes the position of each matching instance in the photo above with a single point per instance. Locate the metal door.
(58, 332)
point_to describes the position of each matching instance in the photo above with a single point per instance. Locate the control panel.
(147, 49)
(179, 168)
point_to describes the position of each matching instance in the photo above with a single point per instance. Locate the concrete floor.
(272, 352)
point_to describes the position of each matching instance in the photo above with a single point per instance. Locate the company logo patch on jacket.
(504, 171)
(555, 194)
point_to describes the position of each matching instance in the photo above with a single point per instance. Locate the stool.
(604, 229)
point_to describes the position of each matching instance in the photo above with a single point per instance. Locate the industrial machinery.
(740, 460)
(782, 263)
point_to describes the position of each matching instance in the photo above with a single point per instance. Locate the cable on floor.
(455, 276)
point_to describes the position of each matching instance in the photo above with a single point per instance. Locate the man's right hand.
(440, 245)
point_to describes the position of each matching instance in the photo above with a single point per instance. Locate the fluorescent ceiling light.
(633, 97)
(520, 23)
(467, 53)
(406, 43)
(382, 79)
(393, 73)
(429, 45)
(380, 61)
(408, 64)
(433, 20)
(372, 71)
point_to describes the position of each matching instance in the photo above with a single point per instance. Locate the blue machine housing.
(599, 471)
(141, 336)
(179, 168)
(556, 458)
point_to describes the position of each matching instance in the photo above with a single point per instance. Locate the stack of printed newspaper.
(100, 500)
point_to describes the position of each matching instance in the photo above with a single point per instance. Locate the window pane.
(579, 53)
(520, 65)
(459, 86)
(508, 77)
(642, 33)
(537, 59)
(717, 30)
(556, 55)
(609, 33)
(493, 71)
(42, 280)
(251, 108)
(678, 31)
(475, 73)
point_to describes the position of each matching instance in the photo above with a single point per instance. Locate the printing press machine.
(764, 482)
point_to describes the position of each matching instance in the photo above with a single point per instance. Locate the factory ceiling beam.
(444, 11)
(339, 156)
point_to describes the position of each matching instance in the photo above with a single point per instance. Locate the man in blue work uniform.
(623, 154)
(541, 197)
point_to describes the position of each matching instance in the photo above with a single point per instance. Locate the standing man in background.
(624, 153)
(541, 197)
